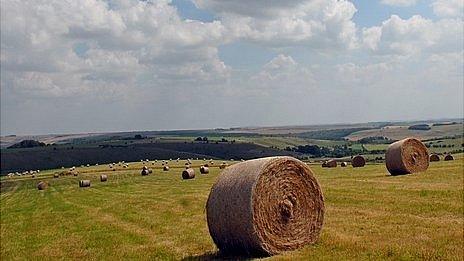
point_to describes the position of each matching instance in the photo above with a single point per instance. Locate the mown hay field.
(369, 215)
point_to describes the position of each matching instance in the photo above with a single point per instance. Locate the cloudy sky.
(72, 66)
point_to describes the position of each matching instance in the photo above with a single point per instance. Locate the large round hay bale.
(103, 178)
(329, 163)
(407, 156)
(343, 164)
(358, 161)
(448, 157)
(265, 206)
(144, 172)
(42, 185)
(188, 173)
(166, 168)
(84, 183)
(204, 170)
(434, 157)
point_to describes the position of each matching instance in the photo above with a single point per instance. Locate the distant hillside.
(57, 156)
(27, 144)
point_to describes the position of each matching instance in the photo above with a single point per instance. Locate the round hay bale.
(223, 165)
(188, 173)
(448, 157)
(56, 175)
(103, 178)
(75, 173)
(206, 165)
(330, 164)
(204, 170)
(144, 172)
(407, 156)
(343, 164)
(434, 157)
(358, 161)
(150, 171)
(42, 185)
(84, 183)
(166, 168)
(265, 206)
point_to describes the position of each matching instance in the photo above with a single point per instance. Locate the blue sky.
(117, 65)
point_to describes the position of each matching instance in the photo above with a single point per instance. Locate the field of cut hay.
(369, 214)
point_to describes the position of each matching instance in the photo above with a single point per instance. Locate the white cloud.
(448, 8)
(318, 24)
(414, 35)
(124, 40)
(399, 2)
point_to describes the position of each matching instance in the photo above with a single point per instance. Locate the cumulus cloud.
(411, 36)
(448, 8)
(123, 41)
(133, 53)
(399, 2)
(318, 24)
(283, 73)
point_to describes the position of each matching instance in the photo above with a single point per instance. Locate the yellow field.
(370, 215)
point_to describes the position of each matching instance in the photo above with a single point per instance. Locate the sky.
(127, 65)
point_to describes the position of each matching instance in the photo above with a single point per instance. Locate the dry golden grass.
(370, 215)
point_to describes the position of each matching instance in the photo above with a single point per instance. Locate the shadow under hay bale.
(188, 173)
(448, 157)
(407, 156)
(103, 178)
(42, 185)
(265, 206)
(434, 157)
(358, 161)
(84, 183)
(204, 170)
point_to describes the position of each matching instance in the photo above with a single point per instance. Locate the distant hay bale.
(188, 173)
(343, 164)
(204, 170)
(434, 157)
(150, 171)
(84, 183)
(103, 178)
(329, 163)
(448, 157)
(144, 171)
(223, 166)
(56, 175)
(166, 168)
(42, 185)
(206, 165)
(265, 206)
(358, 161)
(75, 173)
(407, 156)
